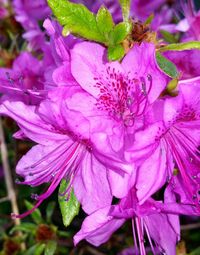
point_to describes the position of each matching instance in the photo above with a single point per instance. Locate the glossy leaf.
(167, 66)
(120, 32)
(104, 21)
(76, 19)
(115, 52)
(69, 206)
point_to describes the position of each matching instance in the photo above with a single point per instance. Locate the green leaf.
(104, 21)
(168, 37)
(25, 227)
(50, 248)
(195, 252)
(149, 19)
(167, 66)
(36, 214)
(70, 208)
(120, 32)
(125, 5)
(115, 52)
(36, 249)
(50, 210)
(77, 19)
(181, 46)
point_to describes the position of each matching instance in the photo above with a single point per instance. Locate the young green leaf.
(115, 52)
(181, 46)
(77, 19)
(167, 66)
(149, 19)
(125, 5)
(120, 32)
(104, 21)
(36, 214)
(69, 208)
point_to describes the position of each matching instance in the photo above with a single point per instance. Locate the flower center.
(124, 98)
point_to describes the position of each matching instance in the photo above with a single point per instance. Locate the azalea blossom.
(151, 218)
(24, 81)
(170, 141)
(61, 153)
(116, 95)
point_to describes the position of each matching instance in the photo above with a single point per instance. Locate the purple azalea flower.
(57, 56)
(24, 81)
(142, 9)
(170, 141)
(187, 62)
(114, 94)
(61, 153)
(28, 13)
(89, 123)
(151, 218)
(190, 26)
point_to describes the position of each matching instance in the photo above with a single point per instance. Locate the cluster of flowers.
(107, 127)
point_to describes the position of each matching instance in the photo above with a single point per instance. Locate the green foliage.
(50, 248)
(167, 66)
(26, 227)
(69, 206)
(104, 22)
(115, 52)
(78, 20)
(120, 32)
(181, 46)
(36, 214)
(36, 249)
(149, 19)
(168, 37)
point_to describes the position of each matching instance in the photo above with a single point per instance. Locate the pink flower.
(151, 218)
(24, 81)
(62, 153)
(170, 141)
(113, 96)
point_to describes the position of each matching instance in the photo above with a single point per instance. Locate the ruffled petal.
(151, 175)
(30, 123)
(91, 184)
(86, 61)
(141, 62)
(98, 227)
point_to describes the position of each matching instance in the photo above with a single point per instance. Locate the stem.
(8, 179)
(7, 174)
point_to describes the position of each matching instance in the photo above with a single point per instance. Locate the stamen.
(123, 98)
(134, 238)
